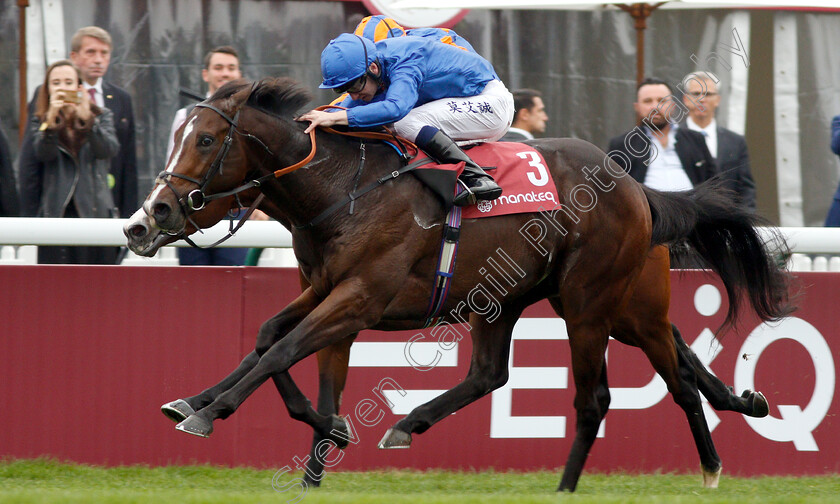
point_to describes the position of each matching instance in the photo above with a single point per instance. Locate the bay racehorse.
(373, 268)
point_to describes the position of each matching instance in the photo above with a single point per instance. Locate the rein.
(197, 199)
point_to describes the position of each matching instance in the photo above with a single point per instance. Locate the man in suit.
(529, 116)
(90, 50)
(657, 152)
(729, 149)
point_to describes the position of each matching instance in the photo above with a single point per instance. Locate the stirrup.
(460, 199)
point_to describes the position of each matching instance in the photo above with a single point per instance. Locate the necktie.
(92, 93)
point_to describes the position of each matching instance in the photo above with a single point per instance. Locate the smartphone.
(71, 95)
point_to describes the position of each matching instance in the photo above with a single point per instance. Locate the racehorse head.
(215, 154)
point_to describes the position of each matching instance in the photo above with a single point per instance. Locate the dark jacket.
(53, 175)
(733, 162)
(9, 202)
(513, 136)
(124, 164)
(690, 146)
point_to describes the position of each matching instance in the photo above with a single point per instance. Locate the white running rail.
(816, 248)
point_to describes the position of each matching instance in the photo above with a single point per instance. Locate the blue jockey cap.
(378, 28)
(346, 58)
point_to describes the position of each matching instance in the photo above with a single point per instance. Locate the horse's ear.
(238, 99)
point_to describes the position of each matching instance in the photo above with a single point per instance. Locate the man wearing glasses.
(729, 149)
(433, 94)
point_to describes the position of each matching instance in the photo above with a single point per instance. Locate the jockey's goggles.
(354, 86)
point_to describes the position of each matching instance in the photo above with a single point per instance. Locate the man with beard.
(657, 152)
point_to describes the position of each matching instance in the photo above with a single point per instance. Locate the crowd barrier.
(89, 353)
(816, 249)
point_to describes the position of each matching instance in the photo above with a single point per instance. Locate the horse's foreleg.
(280, 325)
(345, 311)
(588, 343)
(720, 396)
(488, 371)
(333, 364)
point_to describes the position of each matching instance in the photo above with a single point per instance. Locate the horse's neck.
(303, 194)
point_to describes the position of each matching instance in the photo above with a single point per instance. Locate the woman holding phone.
(72, 140)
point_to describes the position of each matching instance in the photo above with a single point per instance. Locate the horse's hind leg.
(488, 371)
(681, 378)
(720, 396)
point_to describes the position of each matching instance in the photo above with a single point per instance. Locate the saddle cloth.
(521, 172)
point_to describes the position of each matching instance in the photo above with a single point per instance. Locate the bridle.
(197, 199)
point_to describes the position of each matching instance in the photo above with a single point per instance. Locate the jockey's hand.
(321, 118)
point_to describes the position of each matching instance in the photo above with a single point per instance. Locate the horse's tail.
(725, 238)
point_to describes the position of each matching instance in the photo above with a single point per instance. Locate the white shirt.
(710, 132)
(665, 170)
(100, 98)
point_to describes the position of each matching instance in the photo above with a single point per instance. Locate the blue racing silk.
(444, 35)
(416, 71)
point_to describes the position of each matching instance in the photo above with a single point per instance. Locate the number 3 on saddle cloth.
(519, 170)
(526, 185)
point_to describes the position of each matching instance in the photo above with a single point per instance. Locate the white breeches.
(472, 119)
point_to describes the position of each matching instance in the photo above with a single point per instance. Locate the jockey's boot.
(478, 185)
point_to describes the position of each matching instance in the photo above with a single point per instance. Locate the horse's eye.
(205, 141)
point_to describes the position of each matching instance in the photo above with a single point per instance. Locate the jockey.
(378, 28)
(424, 88)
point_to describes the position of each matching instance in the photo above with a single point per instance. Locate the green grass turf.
(49, 481)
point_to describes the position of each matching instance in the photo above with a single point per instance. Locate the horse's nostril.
(137, 231)
(161, 212)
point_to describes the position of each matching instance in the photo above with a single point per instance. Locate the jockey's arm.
(322, 118)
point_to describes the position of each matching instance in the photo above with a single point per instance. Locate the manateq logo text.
(530, 197)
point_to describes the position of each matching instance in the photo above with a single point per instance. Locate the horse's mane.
(282, 96)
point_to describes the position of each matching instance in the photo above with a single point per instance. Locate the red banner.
(90, 353)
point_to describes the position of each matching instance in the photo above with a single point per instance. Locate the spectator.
(71, 140)
(90, 51)
(833, 217)
(428, 90)
(657, 152)
(729, 149)
(9, 204)
(221, 65)
(529, 116)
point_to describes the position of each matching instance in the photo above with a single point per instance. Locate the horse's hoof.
(310, 482)
(196, 426)
(711, 478)
(760, 406)
(339, 432)
(177, 410)
(395, 438)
